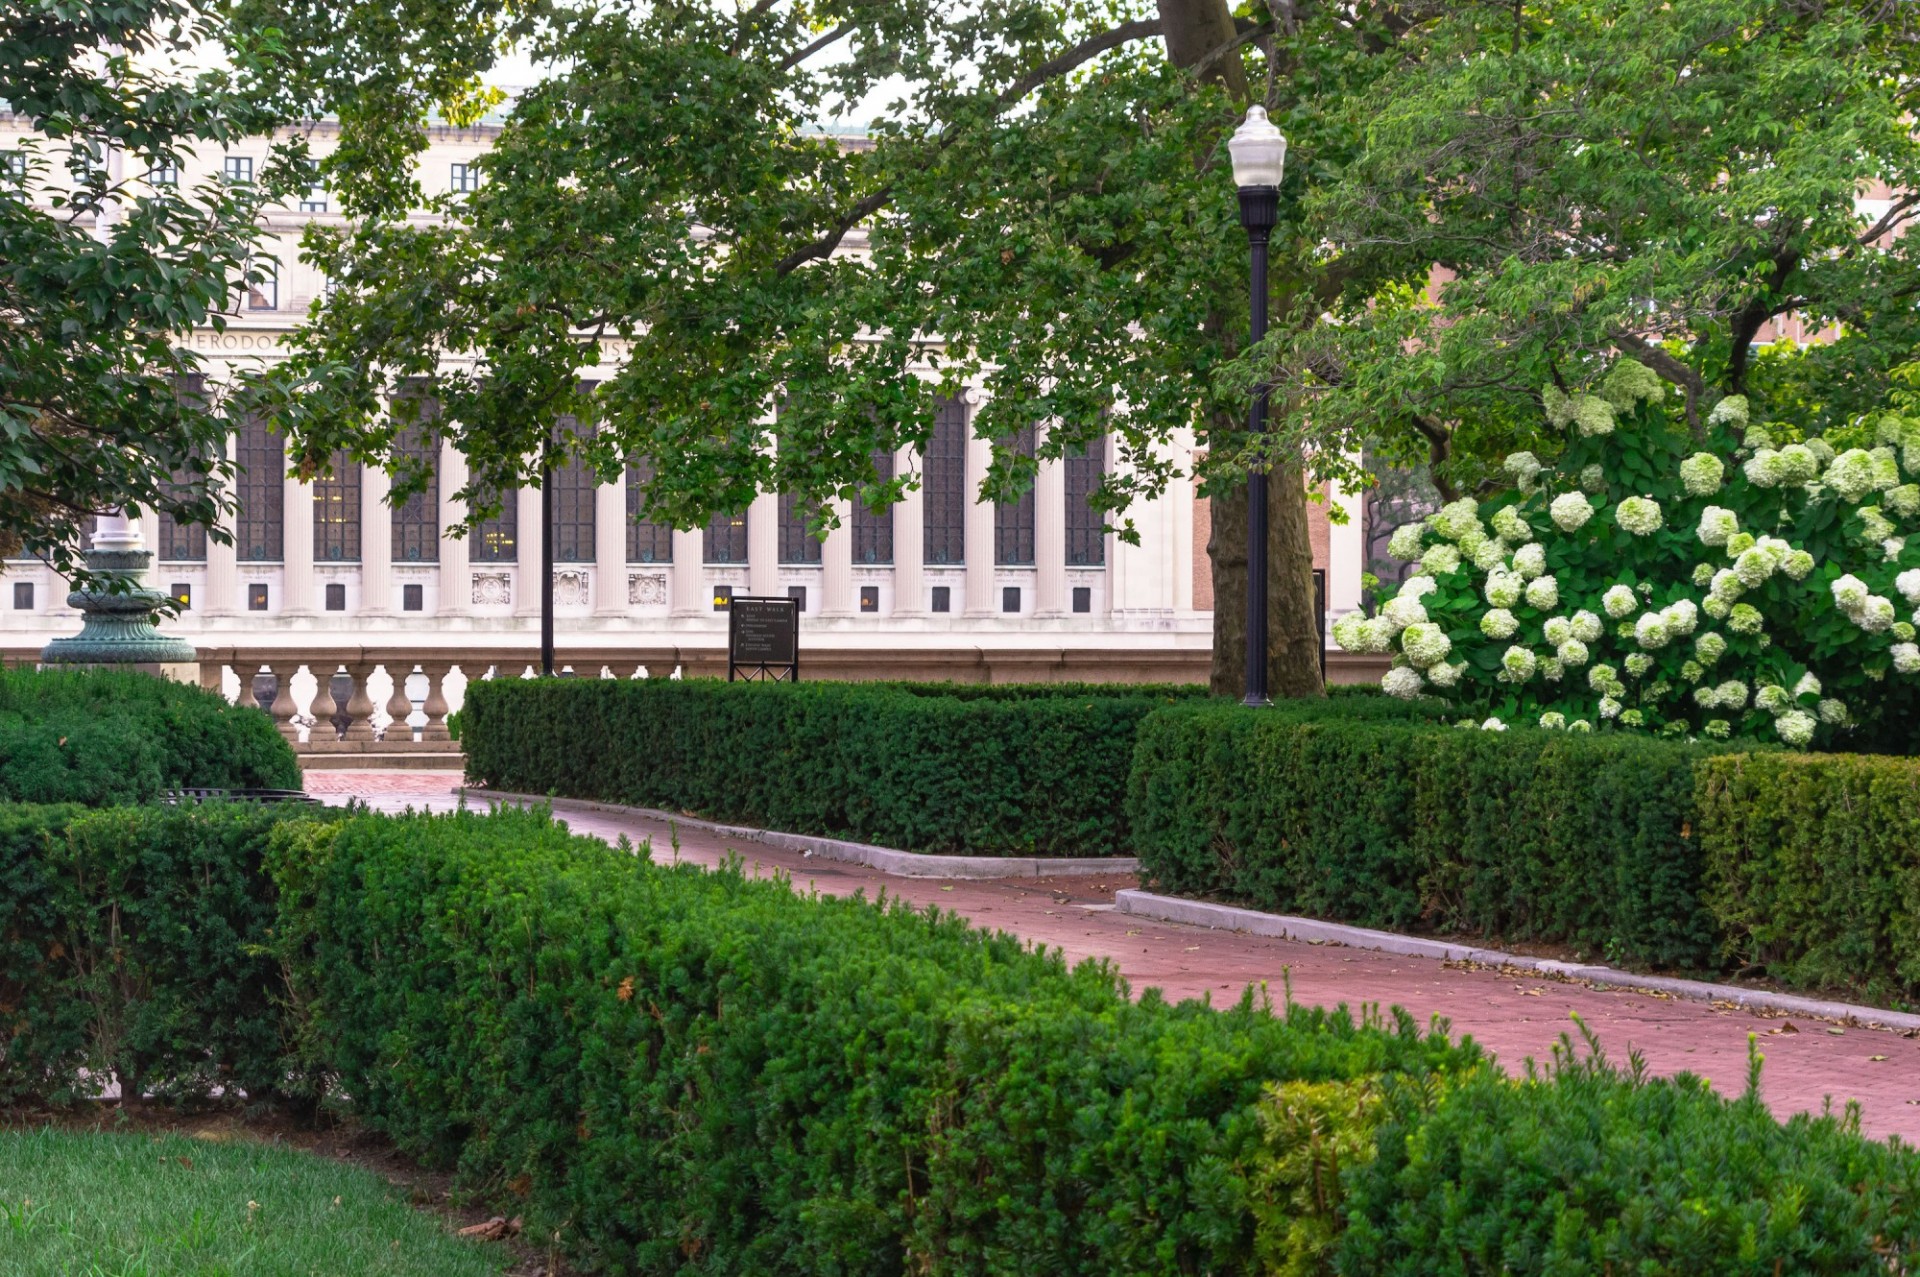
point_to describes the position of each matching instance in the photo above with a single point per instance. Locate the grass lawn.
(130, 1205)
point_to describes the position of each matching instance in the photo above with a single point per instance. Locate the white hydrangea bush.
(1740, 583)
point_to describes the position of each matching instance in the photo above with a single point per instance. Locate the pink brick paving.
(1514, 1017)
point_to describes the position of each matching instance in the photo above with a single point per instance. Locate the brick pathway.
(1516, 1017)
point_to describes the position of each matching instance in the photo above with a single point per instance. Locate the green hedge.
(1801, 868)
(135, 945)
(1555, 836)
(667, 1069)
(1813, 868)
(706, 1071)
(1025, 769)
(101, 737)
(988, 774)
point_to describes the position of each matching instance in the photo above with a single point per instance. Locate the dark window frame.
(182, 542)
(943, 483)
(647, 541)
(1086, 539)
(415, 522)
(1014, 521)
(497, 540)
(260, 524)
(726, 534)
(873, 533)
(237, 169)
(576, 492)
(797, 548)
(336, 532)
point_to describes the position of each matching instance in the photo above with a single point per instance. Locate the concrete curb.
(1201, 913)
(901, 864)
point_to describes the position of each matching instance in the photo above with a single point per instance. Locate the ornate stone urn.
(117, 621)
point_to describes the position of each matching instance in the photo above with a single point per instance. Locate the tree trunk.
(1192, 29)
(1293, 639)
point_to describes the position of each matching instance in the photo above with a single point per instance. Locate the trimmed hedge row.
(993, 776)
(1555, 836)
(1016, 770)
(1362, 808)
(667, 1069)
(1802, 868)
(1812, 864)
(135, 944)
(100, 737)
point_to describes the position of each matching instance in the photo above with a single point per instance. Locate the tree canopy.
(106, 265)
(1044, 208)
(1672, 182)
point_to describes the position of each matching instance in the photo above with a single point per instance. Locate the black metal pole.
(546, 566)
(1259, 208)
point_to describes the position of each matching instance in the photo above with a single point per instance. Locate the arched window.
(647, 542)
(873, 533)
(1086, 529)
(944, 483)
(261, 456)
(336, 513)
(1013, 520)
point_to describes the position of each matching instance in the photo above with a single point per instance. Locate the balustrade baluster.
(360, 704)
(399, 705)
(436, 706)
(283, 708)
(324, 706)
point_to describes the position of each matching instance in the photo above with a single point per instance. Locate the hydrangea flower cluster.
(1696, 604)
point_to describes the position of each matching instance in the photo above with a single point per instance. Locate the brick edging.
(901, 864)
(1201, 913)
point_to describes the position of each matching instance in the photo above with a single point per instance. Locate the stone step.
(377, 759)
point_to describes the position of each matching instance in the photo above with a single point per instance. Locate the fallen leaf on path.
(1838, 1033)
(1876, 1057)
(496, 1229)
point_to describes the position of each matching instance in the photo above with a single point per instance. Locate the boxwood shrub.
(1526, 835)
(985, 771)
(1813, 868)
(100, 737)
(1034, 769)
(668, 1069)
(135, 948)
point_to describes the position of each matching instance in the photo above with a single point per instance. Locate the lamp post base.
(117, 628)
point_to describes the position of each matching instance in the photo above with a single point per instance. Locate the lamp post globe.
(1259, 160)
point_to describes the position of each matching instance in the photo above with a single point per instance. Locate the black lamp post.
(1259, 158)
(546, 562)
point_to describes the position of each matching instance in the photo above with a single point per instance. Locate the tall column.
(533, 535)
(909, 542)
(836, 565)
(1346, 551)
(610, 549)
(223, 567)
(456, 553)
(978, 540)
(1050, 539)
(763, 545)
(376, 542)
(689, 573)
(297, 556)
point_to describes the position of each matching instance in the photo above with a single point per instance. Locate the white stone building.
(940, 586)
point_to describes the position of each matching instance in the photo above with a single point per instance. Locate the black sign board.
(763, 639)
